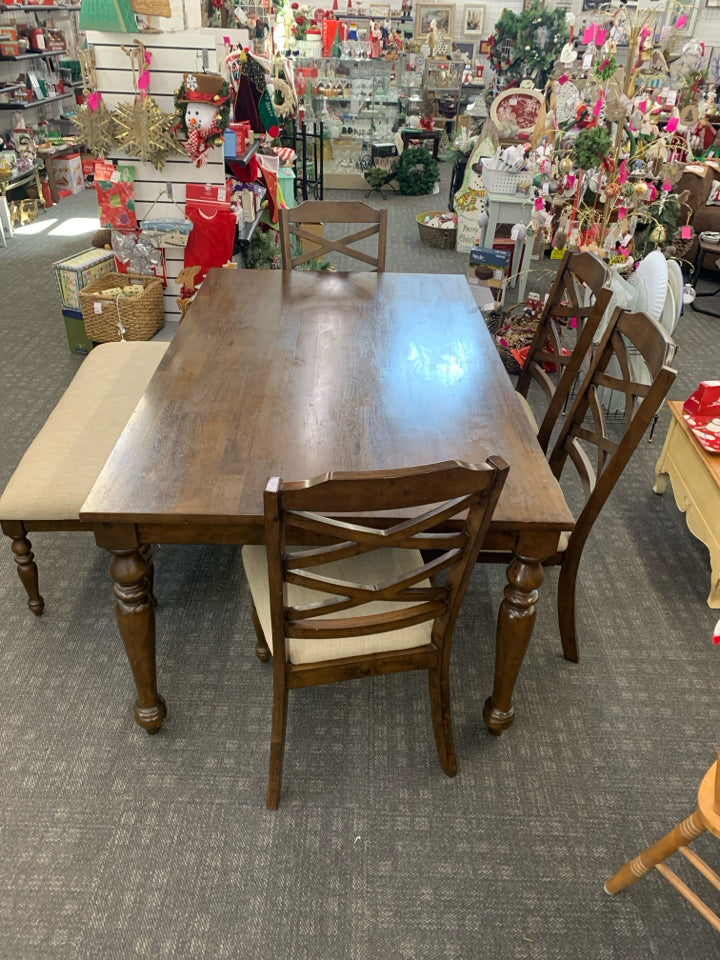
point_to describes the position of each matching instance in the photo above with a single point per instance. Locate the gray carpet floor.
(114, 844)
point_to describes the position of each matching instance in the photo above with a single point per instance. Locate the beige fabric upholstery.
(375, 567)
(64, 460)
(528, 411)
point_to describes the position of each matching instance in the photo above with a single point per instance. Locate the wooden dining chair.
(359, 600)
(295, 225)
(565, 334)
(586, 427)
(706, 817)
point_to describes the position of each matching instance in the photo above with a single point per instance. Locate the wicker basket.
(438, 237)
(142, 315)
(501, 181)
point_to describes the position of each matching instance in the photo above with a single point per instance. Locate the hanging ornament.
(96, 125)
(202, 108)
(95, 121)
(142, 129)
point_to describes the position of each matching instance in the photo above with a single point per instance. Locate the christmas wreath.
(417, 172)
(527, 45)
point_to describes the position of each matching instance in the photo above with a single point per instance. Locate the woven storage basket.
(142, 316)
(443, 239)
(514, 332)
(501, 181)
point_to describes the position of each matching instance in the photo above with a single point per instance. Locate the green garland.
(592, 145)
(417, 172)
(527, 45)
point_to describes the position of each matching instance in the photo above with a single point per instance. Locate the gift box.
(76, 272)
(68, 173)
(705, 402)
(234, 141)
(10, 49)
(702, 414)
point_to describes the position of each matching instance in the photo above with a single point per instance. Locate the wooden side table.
(508, 208)
(695, 476)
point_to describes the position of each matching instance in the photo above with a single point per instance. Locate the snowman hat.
(204, 88)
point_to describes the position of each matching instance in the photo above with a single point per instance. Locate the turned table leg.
(136, 618)
(515, 624)
(28, 573)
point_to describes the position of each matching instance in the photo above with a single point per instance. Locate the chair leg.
(439, 681)
(277, 745)
(567, 582)
(262, 650)
(28, 573)
(680, 836)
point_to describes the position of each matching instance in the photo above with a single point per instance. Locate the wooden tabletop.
(296, 373)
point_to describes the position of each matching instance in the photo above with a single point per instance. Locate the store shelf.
(24, 105)
(34, 55)
(12, 86)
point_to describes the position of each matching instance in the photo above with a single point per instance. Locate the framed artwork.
(379, 11)
(712, 3)
(474, 20)
(484, 48)
(466, 47)
(442, 14)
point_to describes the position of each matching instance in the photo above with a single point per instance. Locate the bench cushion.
(64, 460)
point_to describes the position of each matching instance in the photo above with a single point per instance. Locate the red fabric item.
(212, 238)
(247, 173)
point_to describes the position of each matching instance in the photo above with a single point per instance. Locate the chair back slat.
(351, 515)
(581, 293)
(587, 425)
(331, 212)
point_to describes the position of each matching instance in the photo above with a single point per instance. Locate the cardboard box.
(67, 173)
(491, 257)
(78, 340)
(234, 143)
(76, 272)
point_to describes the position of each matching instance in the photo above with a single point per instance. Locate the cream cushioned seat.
(64, 460)
(375, 567)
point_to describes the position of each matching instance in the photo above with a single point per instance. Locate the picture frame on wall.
(442, 14)
(465, 47)
(474, 20)
(484, 48)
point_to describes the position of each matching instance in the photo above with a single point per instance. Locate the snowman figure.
(202, 103)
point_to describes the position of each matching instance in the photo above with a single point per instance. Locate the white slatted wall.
(173, 54)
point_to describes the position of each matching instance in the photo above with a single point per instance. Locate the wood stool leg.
(262, 650)
(28, 573)
(680, 836)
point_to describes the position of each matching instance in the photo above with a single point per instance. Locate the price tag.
(97, 306)
(558, 253)
(686, 233)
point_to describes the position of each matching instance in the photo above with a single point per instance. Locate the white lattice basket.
(501, 181)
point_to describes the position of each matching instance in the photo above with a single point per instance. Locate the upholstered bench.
(62, 463)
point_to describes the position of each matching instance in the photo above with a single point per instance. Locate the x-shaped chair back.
(296, 225)
(573, 311)
(587, 427)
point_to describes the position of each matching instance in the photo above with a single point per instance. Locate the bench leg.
(136, 618)
(28, 573)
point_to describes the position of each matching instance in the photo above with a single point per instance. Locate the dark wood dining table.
(292, 374)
